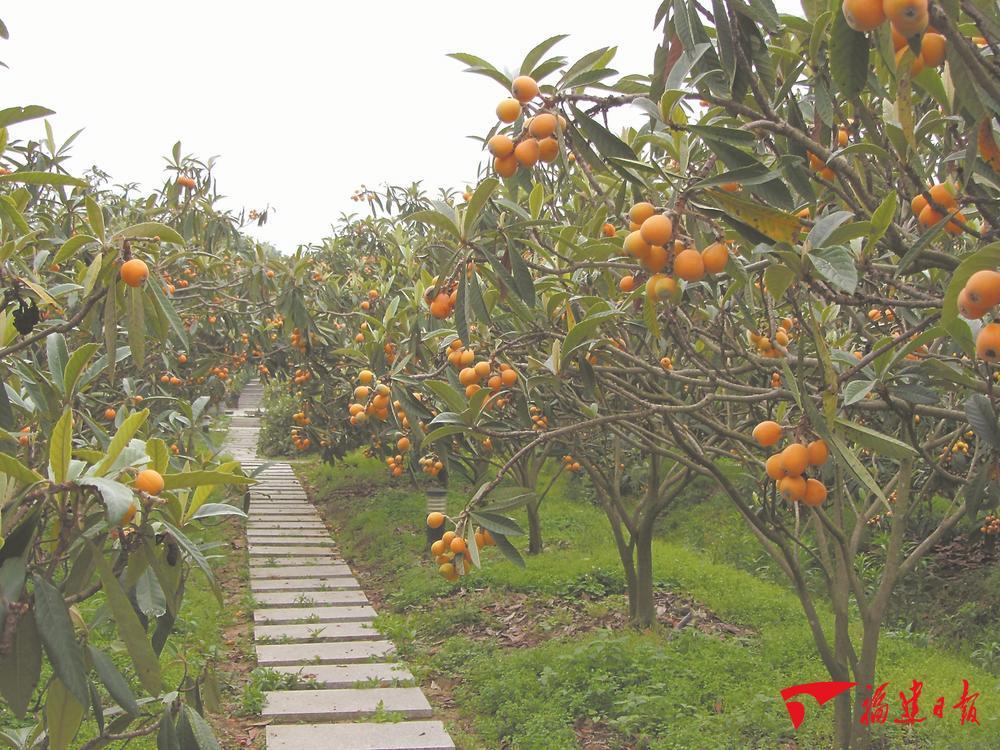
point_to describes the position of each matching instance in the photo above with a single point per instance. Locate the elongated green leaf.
(856, 390)
(71, 246)
(21, 668)
(212, 510)
(56, 631)
(150, 229)
(496, 523)
(13, 115)
(532, 58)
(133, 634)
(583, 332)
(454, 400)
(60, 450)
(63, 715)
(194, 732)
(444, 431)
(43, 178)
(482, 194)
(836, 265)
(169, 312)
(13, 468)
(199, 478)
(881, 444)
(508, 549)
(74, 366)
(848, 57)
(983, 419)
(129, 426)
(137, 325)
(57, 354)
(118, 497)
(192, 551)
(436, 219)
(117, 686)
(95, 217)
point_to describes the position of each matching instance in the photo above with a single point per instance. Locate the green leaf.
(13, 115)
(57, 354)
(110, 328)
(159, 454)
(21, 668)
(983, 419)
(881, 219)
(536, 54)
(582, 333)
(166, 735)
(212, 510)
(129, 426)
(848, 57)
(837, 266)
(482, 194)
(824, 227)
(524, 284)
(60, 450)
(169, 312)
(118, 497)
(777, 279)
(494, 522)
(74, 366)
(150, 229)
(199, 478)
(454, 400)
(56, 630)
(13, 468)
(133, 634)
(117, 686)
(856, 390)
(63, 715)
(508, 549)
(95, 217)
(192, 551)
(443, 432)
(462, 308)
(194, 732)
(72, 245)
(436, 219)
(136, 325)
(877, 442)
(43, 178)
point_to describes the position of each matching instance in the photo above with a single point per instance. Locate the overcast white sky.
(303, 100)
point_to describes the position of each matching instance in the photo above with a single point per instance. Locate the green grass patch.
(658, 689)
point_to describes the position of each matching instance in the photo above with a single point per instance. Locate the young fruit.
(508, 110)
(767, 433)
(524, 88)
(815, 493)
(110, 414)
(983, 288)
(134, 272)
(657, 230)
(818, 452)
(689, 265)
(988, 343)
(795, 459)
(543, 125)
(527, 152)
(715, 257)
(909, 17)
(792, 488)
(500, 145)
(149, 481)
(863, 15)
(640, 212)
(435, 520)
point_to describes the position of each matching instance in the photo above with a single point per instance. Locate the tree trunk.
(642, 609)
(534, 529)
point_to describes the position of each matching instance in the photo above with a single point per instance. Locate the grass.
(658, 689)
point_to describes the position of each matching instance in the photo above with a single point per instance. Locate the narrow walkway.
(311, 619)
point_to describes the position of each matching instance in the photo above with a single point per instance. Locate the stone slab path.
(311, 619)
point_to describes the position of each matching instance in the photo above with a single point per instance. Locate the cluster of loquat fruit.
(301, 376)
(942, 194)
(474, 373)
(788, 466)
(978, 297)
(440, 300)
(537, 140)
(366, 304)
(539, 421)
(376, 400)
(431, 465)
(909, 21)
(451, 552)
(299, 341)
(571, 464)
(773, 348)
(991, 525)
